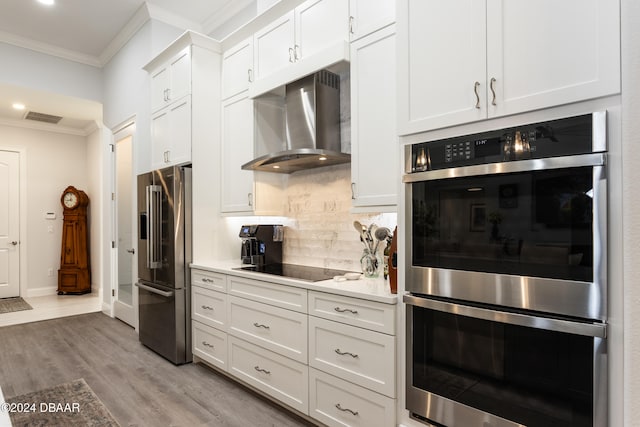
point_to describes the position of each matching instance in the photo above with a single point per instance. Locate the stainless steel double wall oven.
(506, 270)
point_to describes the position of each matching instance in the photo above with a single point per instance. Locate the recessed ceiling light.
(276, 167)
(47, 2)
(322, 158)
(18, 106)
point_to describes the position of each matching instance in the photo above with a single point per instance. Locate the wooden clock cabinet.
(74, 275)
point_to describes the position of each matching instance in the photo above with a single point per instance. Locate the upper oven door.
(528, 234)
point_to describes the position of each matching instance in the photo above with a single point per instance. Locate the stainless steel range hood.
(312, 125)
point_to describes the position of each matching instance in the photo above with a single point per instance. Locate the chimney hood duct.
(312, 107)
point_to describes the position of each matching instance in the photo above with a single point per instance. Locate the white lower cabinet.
(336, 402)
(276, 375)
(276, 329)
(328, 356)
(357, 355)
(210, 344)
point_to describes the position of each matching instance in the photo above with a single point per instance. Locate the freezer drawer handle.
(259, 369)
(167, 294)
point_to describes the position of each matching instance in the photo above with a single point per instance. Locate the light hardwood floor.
(139, 387)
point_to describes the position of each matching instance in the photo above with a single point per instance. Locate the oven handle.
(592, 159)
(597, 330)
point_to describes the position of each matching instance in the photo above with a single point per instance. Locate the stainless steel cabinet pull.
(475, 90)
(206, 344)
(250, 75)
(343, 310)
(168, 94)
(260, 325)
(259, 369)
(206, 307)
(340, 408)
(14, 243)
(493, 91)
(296, 48)
(207, 280)
(345, 353)
(351, 25)
(250, 197)
(291, 58)
(353, 191)
(131, 251)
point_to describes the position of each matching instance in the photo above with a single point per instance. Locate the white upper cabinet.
(237, 69)
(171, 134)
(172, 80)
(274, 46)
(465, 60)
(313, 36)
(374, 147)
(573, 54)
(368, 16)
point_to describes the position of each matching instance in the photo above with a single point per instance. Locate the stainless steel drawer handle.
(344, 310)
(260, 325)
(351, 411)
(206, 307)
(345, 353)
(493, 90)
(206, 344)
(259, 369)
(207, 280)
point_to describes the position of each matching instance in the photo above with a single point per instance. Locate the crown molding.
(28, 124)
(228, 11)
(91, 128)
(136, 22)
(48, 49)
(159, 14)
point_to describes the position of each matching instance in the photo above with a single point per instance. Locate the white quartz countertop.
(376, 289)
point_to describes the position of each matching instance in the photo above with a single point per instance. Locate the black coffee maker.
(261, 244)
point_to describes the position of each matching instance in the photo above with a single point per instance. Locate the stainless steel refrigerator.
(164, 254)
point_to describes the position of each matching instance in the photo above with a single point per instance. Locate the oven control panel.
(555, 138)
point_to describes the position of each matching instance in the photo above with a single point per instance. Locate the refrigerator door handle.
(166, 294)
(154, 225)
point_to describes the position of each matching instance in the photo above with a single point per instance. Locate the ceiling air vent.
(41, 117)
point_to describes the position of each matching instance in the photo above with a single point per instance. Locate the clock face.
(70, 200)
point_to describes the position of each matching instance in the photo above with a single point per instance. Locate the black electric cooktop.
(294, 271)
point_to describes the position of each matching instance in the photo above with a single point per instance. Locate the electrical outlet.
(50, 272)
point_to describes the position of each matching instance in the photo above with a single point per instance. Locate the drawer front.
(363, 357)
(276, 329)
(288, 297)
(354, 311)
(278, 376)
(339, 403)
(209, 280)
(210, 344)
(209, 307)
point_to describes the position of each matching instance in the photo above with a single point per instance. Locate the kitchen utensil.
(393, 263)
(364, 237)
(381, 233)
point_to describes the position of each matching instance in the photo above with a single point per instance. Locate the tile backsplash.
(319, 225)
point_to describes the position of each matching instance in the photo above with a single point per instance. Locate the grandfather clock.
(74, 276)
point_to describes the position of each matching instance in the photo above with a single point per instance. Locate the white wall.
(53, 162)
(95, 147)
(27, 68)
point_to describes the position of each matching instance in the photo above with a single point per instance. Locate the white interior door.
(125, 302)
(9, 224)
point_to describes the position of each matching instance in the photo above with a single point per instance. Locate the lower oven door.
(473, 366)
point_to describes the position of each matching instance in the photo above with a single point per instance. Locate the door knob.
(14, 243)
(131, 251)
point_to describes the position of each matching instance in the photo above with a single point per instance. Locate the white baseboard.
(42, 292)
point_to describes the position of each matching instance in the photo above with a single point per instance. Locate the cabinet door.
(368, 16)
(237, 149)
(237, 69)
(570, 52)
(374, 147)
(160, 129)
(273, 46)
(180, 66)
(159, 86)
(179, 144)
(442, 63)
(320, 24)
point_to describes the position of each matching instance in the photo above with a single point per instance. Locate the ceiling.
(87, 31)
